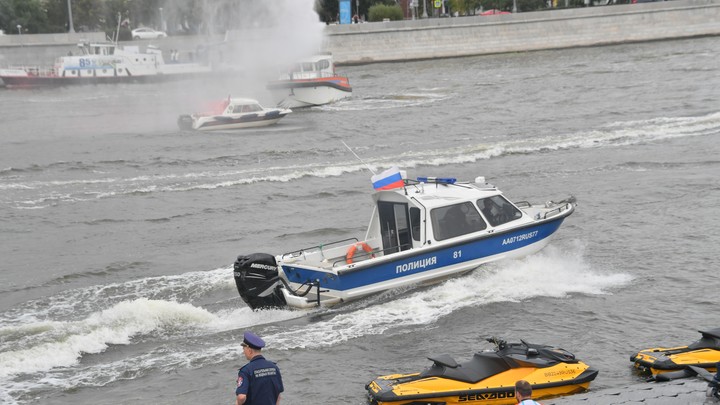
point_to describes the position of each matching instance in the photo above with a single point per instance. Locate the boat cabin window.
(308, 67)
(497, 210)
(394, 226)
(323, 64)
(415, 223)
(456, 220)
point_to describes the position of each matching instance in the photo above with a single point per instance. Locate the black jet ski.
(490, 377)
(669, 363)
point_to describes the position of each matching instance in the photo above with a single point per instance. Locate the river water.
(118, 231)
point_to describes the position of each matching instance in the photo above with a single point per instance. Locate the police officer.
(259, 382)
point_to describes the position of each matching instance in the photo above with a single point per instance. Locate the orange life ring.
(353, 249)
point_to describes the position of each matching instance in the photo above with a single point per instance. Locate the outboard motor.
(256, 277)
(185, 122)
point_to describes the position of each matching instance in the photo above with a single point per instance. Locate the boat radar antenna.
(358, 158)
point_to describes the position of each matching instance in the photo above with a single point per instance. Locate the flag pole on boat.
(358, 158)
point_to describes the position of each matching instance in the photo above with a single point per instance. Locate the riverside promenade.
(677, 392)
(430, 38)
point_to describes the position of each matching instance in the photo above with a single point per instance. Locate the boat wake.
(385, 102)
(46, 348)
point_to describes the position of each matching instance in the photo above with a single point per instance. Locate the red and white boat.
(310, 82)
(233, 113)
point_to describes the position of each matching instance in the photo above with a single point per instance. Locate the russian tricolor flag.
(387, 180)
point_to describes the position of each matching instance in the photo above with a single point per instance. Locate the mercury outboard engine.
(256, 277)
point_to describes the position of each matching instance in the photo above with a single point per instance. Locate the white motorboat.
(233, 113)
(421, 231)
(310, 82)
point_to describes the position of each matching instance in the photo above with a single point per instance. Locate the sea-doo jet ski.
(489, 377)
(669, 363)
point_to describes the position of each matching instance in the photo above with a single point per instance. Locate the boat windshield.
(497, 210)
(456, 220)
(246, 108)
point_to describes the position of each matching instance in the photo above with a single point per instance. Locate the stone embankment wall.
(447, 37)
(551, 29)
(42, 49)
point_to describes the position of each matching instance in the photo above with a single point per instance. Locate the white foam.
(612, 135)
(116, 325)
(84, 301)
(555, 272)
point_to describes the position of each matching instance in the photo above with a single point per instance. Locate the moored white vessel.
(310, 82)
(106, 62)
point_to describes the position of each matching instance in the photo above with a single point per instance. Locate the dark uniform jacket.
(260, 380)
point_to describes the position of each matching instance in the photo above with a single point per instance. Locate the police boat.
(670, 363)
(421, 231)
(489, 377)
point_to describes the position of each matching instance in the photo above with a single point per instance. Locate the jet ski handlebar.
(501, 344)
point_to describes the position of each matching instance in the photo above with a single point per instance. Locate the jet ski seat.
(710, 339)
(480, 367)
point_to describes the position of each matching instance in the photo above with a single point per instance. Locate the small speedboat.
(310, 82)
(421, 231)
(669, 363)
(233, 113)
(489, 377)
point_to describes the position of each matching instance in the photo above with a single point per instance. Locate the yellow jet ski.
(488, 378)
(669, 363)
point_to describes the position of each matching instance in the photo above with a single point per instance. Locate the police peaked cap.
(253, 340)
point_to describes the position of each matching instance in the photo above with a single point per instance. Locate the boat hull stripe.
(438, 258)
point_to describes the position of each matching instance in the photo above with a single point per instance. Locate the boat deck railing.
(554, 208)
(557, 210)
(313, 249)
(34, 70)
(363, 255)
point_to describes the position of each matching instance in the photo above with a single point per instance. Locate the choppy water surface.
(119, 231)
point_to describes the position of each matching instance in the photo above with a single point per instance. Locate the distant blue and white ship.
(421, 231)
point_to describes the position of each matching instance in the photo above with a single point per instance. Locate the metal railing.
(302, 252)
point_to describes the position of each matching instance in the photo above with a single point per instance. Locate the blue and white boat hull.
(417, 267)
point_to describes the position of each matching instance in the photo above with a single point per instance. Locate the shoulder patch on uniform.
(239, 381)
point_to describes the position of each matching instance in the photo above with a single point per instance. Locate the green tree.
(57, 18)
(7, 16)
(379, 12)
(465, 7)
(29, 14)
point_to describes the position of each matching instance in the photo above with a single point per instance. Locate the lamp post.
(70, 19)
(424, 9)
(19, 27)
(162, 20)
(514, 6)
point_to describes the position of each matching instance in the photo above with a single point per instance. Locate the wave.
(612, 135)
(46, 345)
(82, 301)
